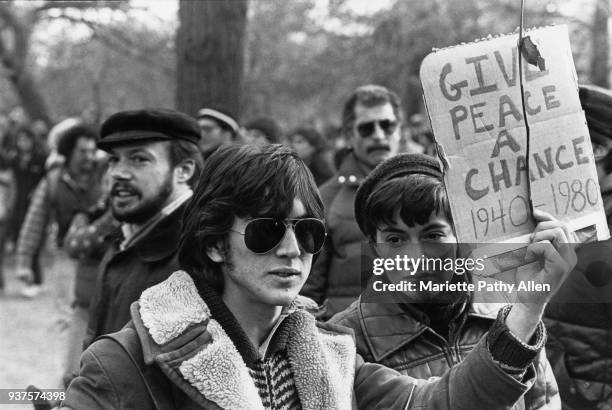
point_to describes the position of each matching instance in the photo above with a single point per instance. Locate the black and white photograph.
(306, 204)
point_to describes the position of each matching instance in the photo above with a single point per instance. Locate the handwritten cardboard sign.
(473, 97)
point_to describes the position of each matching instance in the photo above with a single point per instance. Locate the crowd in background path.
(71, 183)
(29, 152)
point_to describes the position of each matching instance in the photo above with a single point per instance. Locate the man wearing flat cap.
(153, 162)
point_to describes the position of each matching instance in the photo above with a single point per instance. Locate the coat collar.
(179, 333)
(350, 172)
(160, 239)
(388, 327)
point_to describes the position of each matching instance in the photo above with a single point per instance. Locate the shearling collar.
(179, 333)
(387, 327)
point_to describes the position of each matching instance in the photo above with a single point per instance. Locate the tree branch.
(116, 41)
(82, 5)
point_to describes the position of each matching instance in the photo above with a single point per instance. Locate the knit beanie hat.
(395, 167)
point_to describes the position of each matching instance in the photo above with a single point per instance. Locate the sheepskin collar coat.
(322, 361)
(204, 360)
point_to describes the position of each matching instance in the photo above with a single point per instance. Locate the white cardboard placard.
(472, 93)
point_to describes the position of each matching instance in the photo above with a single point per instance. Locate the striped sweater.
(274, 381)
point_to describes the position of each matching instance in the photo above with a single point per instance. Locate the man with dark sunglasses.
(230, 331)
(371, 122)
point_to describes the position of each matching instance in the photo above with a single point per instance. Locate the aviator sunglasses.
(261, 235)
(366, 129)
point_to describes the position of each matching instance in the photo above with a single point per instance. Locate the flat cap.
(395, 167)
(146, 125)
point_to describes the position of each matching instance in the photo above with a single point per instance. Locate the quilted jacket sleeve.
(477, 382)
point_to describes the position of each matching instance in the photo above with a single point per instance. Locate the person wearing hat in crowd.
(402, 209)
(579, 317)
(154, 161)
(262, 131)
(229, 330)
(216, 128)
(65, 190)
(371, 121)
(311, 147)
(55, 159)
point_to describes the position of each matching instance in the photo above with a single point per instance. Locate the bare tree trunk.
(600, 66)
(210, 54)
(15, 62)
(29, 94)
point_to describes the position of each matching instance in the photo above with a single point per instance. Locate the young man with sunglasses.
(371, 121)
(230, 331)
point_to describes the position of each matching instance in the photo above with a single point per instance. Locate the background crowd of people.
(67, 184)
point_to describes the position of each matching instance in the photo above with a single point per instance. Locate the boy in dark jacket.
(402, 208)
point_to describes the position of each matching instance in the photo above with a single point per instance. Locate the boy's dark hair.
(241, 181)
(416, 197)
(67, 141)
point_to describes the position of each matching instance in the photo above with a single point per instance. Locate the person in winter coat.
(153, 162)
(311, 147)
(65, 190)
(229, 331)
(402, 208)
(371, 122)
(579, 317)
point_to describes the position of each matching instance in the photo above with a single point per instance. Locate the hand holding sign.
(553, 243)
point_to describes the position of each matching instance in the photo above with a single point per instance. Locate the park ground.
(33, 332)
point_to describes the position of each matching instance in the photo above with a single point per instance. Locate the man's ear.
(185, 170)
(215, 254)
